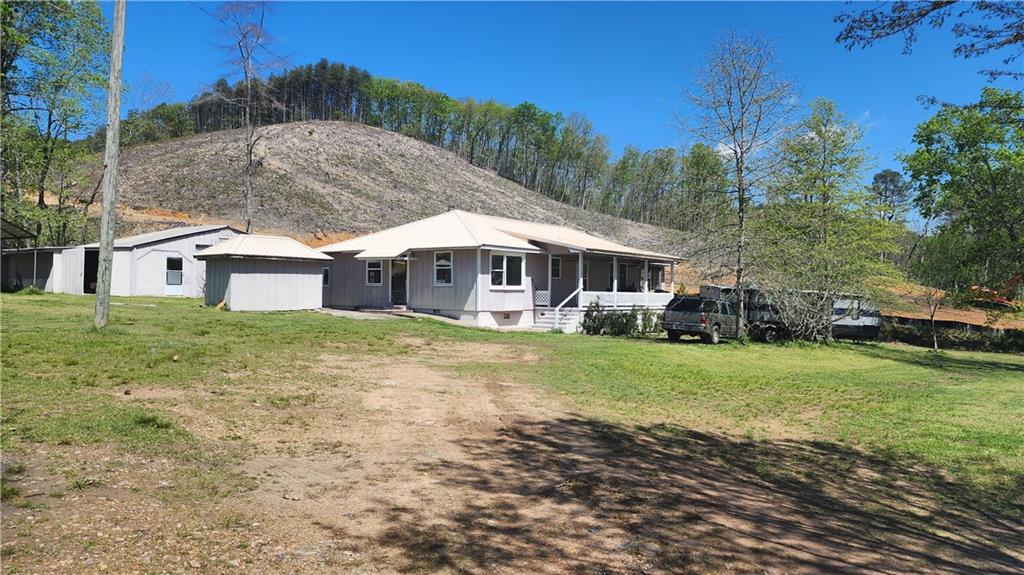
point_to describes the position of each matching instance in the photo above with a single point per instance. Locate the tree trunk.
(111, 154)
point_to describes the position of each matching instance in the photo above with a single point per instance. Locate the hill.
(332, 179)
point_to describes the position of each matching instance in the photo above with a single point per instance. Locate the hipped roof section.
(262, 247)
(457, 229)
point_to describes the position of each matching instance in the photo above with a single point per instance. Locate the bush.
(1008, 341)
(30, 290)
(634, 322)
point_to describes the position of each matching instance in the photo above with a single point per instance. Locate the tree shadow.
(581, 495)
(940, 361)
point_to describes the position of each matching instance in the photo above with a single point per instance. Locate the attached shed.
(265, 273)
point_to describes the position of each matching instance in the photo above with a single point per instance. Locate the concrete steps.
(544, 319)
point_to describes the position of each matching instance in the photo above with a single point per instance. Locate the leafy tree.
(891, 195)
(743, 102)
(981, 27)
(53, 73)
(968, 172)
(817, 235)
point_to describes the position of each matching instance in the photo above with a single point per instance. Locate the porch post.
(478, 284)
(646, 281)
(615, 280)
(408, 273)
(579, 281)
(672, 278)
(550, 295)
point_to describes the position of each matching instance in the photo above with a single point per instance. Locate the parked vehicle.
(711, 320)
(855, 319)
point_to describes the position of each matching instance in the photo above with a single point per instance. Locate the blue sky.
(624, 66)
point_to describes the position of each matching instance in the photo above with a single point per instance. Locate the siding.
(508, 300)
(146, 265)
(264, 285)
(348, 284)
(460, 296)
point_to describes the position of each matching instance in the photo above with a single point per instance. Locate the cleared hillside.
(327, 178)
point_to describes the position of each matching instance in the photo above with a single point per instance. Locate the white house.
(493, 271)
(155, 263)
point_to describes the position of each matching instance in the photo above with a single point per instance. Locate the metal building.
(265, 273)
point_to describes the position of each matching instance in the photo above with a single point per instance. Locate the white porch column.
(579, 280)
(479, 284)
(646, 282)
(551, 295)
(615, 280)
(672, 278)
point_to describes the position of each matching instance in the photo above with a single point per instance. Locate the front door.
(399, 271)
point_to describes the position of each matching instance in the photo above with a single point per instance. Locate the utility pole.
(110, 156)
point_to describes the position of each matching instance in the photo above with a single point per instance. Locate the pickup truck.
(711, 320)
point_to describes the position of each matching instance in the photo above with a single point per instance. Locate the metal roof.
(262, 247)
(162, 235)
(459, 229)
(12, 231)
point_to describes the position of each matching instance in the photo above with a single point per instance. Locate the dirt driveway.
(404, 465)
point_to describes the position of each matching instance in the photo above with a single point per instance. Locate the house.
(495, 272)
(265, 273)
(155, 263)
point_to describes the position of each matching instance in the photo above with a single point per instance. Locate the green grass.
(960, 412)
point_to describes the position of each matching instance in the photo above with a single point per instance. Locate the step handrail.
(558, 309)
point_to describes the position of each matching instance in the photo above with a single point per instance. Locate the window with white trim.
(586, 273)
(326, 277)
(507, 270)
(374, 272)
(556, 268)
(443, 263)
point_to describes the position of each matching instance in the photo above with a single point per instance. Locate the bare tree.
(111, 154)
(243, 22)
(742, 102)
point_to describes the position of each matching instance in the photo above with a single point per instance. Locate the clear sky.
(624, 66)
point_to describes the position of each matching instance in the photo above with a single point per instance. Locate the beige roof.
(162, 235)
(459, 229)
(262, 247)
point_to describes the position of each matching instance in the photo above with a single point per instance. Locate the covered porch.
(575, 279)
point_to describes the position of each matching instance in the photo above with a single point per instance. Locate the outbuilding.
(265, 273)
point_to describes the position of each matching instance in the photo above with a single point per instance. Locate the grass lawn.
(962, 412)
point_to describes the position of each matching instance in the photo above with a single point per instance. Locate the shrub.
(1008, 341)
(637, 321)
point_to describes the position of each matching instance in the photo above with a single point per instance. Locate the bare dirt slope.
(328, 177)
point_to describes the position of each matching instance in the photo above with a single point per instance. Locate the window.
(374, 272)
(586, 272)
(442, 268)
(326, 281)
(556, 268)
(506, 271)
(174, 271)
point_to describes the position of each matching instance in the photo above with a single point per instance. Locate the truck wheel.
(713, 337)
(674, 335)
(770, 335)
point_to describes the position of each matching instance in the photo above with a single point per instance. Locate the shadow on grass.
(579, 495)
(942, 360)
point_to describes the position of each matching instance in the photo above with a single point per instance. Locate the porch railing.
(626, 299)
(558, 310)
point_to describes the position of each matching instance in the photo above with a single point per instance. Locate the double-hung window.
(374, 272)
(556, 268)
(443, 268)
(507, 270)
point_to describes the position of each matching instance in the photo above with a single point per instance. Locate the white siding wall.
(72, 271)
(150, 264)
(509, 299)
